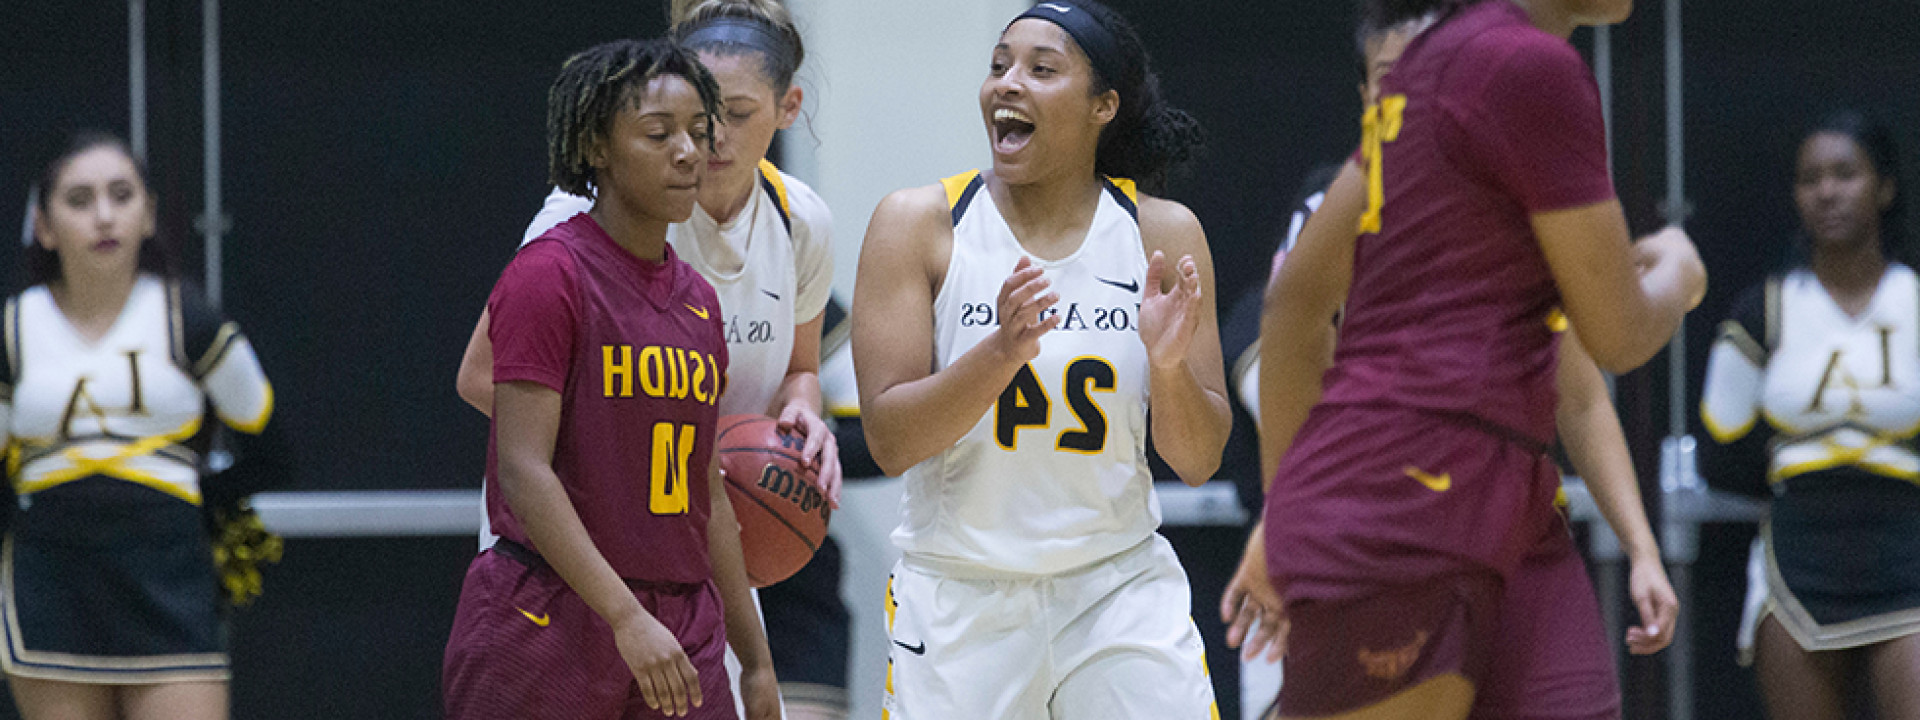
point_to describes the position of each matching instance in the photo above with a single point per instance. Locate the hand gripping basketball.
(782, 513)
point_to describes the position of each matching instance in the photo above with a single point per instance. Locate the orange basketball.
(783, 516)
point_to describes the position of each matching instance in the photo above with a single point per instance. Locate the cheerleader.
(111, 598)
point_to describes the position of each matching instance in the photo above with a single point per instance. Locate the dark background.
(380, 159)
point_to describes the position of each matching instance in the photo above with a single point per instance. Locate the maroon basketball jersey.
(636, 351)
(1483, 121)
(1423, 456)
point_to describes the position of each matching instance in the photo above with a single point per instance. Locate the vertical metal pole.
(1680, 654)
(137, 77)
(1603, 75)
(1604, 546)
(1676, 212)
(213, 220)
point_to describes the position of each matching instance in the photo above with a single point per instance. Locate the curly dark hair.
(598, 83)
(1148, 140)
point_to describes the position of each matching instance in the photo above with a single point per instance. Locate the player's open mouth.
(1011, 130)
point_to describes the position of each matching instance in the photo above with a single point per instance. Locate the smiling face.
(650, 161)
(1038, 104)
(753, 112)
(96, 215)
(1839, 192)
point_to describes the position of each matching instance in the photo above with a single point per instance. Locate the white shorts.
(1114, 639)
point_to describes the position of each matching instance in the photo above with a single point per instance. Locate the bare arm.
(525, 431)
(1296, 328)
(1590, 429)
(1296, 348)
(1179, 323)
(744, 634)
(797, 406)
(801, 387)
(908, 411)
(1626, 300)
(475, 381)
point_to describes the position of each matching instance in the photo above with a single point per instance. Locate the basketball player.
(1812, 394)
(762, 238)
(111, 595)
(1409, 500)
(1009, 328)
(1589, 431)
(605, 597)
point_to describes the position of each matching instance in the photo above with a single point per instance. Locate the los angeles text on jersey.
(663, 372)
(751, 332)
(1114, 318)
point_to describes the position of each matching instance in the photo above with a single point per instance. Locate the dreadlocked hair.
(597, 84)
(1148, 140)
(779, 60)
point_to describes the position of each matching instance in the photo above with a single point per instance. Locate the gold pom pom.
(242, 544)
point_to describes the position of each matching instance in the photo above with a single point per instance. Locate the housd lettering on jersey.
(663, 372)
(1113, 318)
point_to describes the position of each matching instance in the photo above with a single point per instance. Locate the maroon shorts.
(525, 645)
(1535, 649)
(1374, 497)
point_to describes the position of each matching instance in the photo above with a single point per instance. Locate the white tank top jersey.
(1838, 389)
(124, 406)
(772, 266)
(1054, 476)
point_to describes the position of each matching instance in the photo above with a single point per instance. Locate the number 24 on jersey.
(1026, 404)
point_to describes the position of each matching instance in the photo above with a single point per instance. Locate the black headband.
(1094, 40)
(740, 31)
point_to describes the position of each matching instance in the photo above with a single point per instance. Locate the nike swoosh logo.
(540, 620)
(1436, 483)
(920, 649)
(1131, 285)
(769, 293)
(698, 312)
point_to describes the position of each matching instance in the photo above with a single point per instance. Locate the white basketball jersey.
(771, 266)
(1054, 476)
(1838, 389)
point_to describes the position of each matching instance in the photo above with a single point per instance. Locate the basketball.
(783, 516)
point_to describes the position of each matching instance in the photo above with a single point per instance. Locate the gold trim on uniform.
(957, 186)
(126, 670)
(1814, 637)
(177, 327)
(1736, 334)
(222, 341)
(258, 423)
(115, 465)
(772, 174)
(1719, 430)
